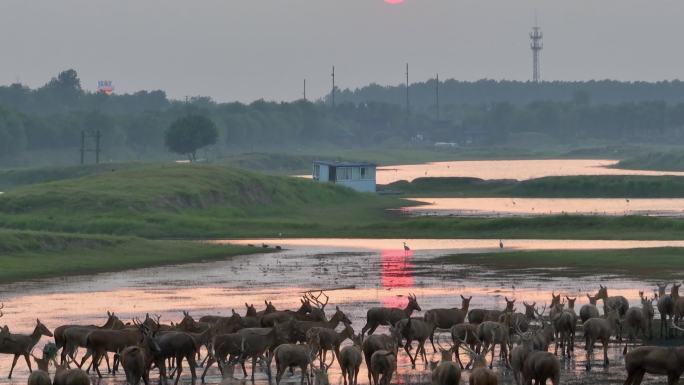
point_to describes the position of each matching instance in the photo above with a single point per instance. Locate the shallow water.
(526, 207)
(365, 273)
(508, 169)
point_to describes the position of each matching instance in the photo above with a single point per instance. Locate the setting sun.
(394, 1)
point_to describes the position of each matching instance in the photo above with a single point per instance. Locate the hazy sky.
(249, 49)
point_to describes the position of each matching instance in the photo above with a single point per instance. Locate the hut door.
(332, 175)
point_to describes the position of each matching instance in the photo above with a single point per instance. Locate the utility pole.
(536, 44)
(437, 94)
(407, 90)
(85, 137)
(333, 87)
(304, 89)
(82, 147)
(97, 147)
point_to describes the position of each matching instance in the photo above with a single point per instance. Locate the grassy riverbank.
(661, 263)
(595, 186)
(29, 254)
(664, 161)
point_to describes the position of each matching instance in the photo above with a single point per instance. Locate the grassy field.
(595, 186)
(660, 263)
(665, 161)
(28, 254)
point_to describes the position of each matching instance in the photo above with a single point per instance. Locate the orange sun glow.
(394, 1)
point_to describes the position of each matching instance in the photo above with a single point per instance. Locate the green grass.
(594, 186)
(29, 255)
(11, 178)
(658, 263)
(663, 161)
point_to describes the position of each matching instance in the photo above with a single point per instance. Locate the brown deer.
(68, 347)
(529, 310)
(66, 376)
(377, 316)
(477, 316)
(137, 360)
(541, 366)
(446, 372)
(600, 329)
(299, 328)
(293, 356)
(619, 303)
(326, 339)
(491, 334)
(466, 333)
(223, 346)
(178, 346)
(666, 306)
(415, 329)
(639, 320)
(22, 344)
(481, 375)
(383, 363)
(446, 318)
(519, 354)
(103, 341)
(39, 377)
(377, 342)
(350, 361)
(256, 342)
(564, 322)
(660, 360)
(589, 310)
(282, 316)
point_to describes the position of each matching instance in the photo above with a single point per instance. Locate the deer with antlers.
(446, 371)
(466, 333)
(377, 316)
(659, 360)
(477, 316)
(22, 344)
(300, 328)
(305, 312)
(104, 341)
(446, 318)
(326, 339)
(481, 374)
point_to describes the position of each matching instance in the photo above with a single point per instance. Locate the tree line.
(44, 124)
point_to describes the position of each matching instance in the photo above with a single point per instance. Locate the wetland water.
(368, 273)
(526, 207)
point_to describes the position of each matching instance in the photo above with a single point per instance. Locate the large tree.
(188, 134)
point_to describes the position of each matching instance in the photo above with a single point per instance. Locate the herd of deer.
(303, 338)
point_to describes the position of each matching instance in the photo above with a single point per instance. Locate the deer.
(39, 377)
(618, 303)
(350, 358)
(519, 354)
(221, 347)
(102, 341)
(66, 376)
(589, 310)
(212, 319)
(178, 346)
(22, 344)
(541, 366)
(302, 314)
(68, 346)
(542, 338)
(377, 316)
(639, 319)
(291, 356)
(445, 372)
(660, 360)
(137, 360)
(492, 333)
(481, 375)
(529, 310)
(466, 333)
(299, 328)
(256, 342)
(377, 342)
(446, 318)
(564, 322)
(326, 339)
(415, 329)
(678, 307)
(383, 363)
(477, 316)
(666, 306)
(600, 329)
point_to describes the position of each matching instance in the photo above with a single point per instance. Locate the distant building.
(358, 176)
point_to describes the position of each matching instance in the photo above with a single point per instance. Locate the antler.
(2, 306)
(316, 299)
